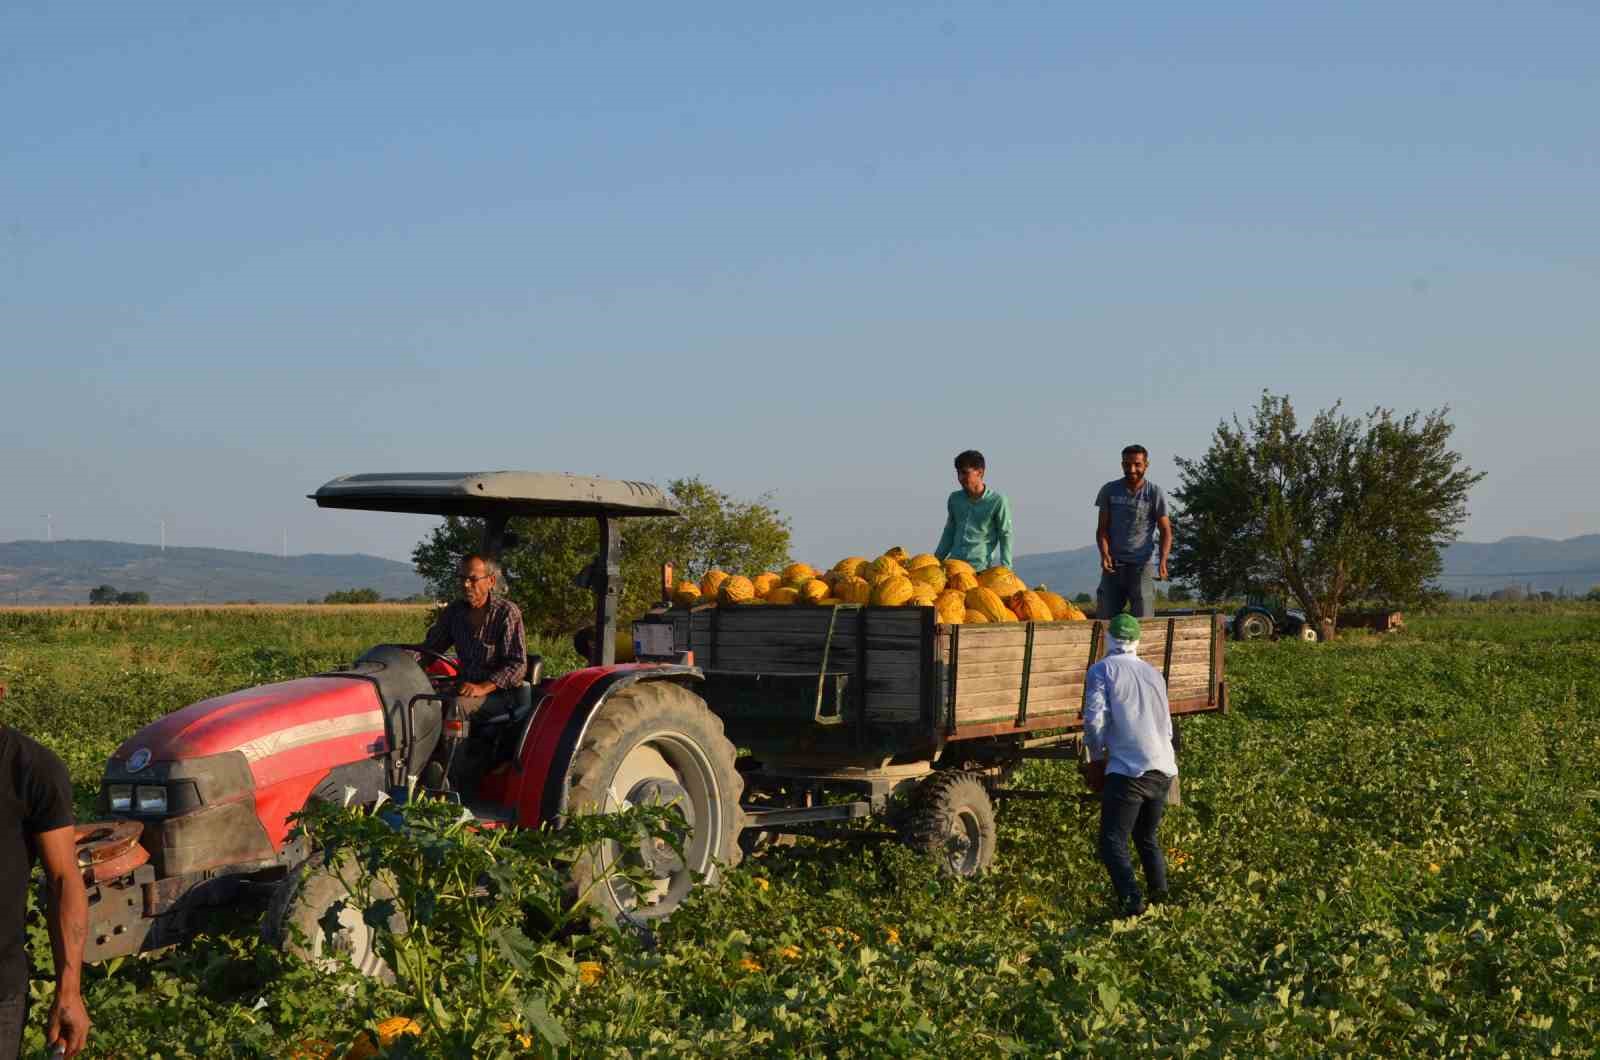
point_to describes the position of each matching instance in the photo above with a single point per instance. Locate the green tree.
(103, 594)
(1594, 594)
(1347, 508)
(133, 598)
(354, 596)
(1180, 594)
(1083, 598)
(715, 530)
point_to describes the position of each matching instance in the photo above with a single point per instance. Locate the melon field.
(1389, 846)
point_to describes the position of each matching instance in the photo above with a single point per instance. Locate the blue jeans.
(1133, 805)
(1133, 585)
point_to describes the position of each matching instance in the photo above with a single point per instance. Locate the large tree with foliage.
(1347, 508)
(714, 530)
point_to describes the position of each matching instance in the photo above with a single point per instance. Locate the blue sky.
(813, 252)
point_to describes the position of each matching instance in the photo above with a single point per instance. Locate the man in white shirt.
(1127, 723)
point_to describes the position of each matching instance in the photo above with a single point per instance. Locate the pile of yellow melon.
(894, 579)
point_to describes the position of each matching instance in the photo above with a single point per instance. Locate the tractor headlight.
(120, 797)
(151, 798)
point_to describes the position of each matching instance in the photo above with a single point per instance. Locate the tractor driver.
(486, 632)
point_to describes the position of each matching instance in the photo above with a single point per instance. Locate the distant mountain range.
(1469, 566)
(58, 572)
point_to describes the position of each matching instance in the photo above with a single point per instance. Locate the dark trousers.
(1132, 585)
(1133, 806)
(13, 1018)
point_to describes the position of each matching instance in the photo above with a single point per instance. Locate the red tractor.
(200, 800)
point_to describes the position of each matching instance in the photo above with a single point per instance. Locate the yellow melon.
(922, 559)
(390, 1031)
(972, 617)
(687, 594)
(850, 565)
(892, 591)
(736, 589)
(1002, 581)
(922, 595)
(897, 554)
(712, 582)
(765, 582)
(986, 603)
(852, 590)
(829, 601)
(951, 607)
(1027, 606)
(783, 595)
(930, 576)
(813, 591)
(961, 579)
(1060, 607)
(952, 565)
(798, 572)
(884, 564)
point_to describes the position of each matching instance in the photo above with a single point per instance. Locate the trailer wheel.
(952, 818)
(655, 742)
(313, 915)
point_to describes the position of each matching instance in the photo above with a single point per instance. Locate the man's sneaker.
(1159, 897)
(1133, 907)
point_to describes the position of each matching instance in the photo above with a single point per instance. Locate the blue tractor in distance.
(1267, 617)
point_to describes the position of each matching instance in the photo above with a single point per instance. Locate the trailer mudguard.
(539, 790)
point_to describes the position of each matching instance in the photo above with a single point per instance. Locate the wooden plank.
(1014, 666)
(1006, 699)
(1200, 670)
(1036, 682)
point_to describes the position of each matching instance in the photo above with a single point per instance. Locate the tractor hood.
(334, 718)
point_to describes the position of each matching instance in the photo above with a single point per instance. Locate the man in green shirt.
(978, 526)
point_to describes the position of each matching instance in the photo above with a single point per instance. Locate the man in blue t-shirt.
(1133, 513)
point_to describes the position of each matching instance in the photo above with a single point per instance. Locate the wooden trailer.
(890, 705)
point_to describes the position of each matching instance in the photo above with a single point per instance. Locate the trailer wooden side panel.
(1027, 676)
(909, 684)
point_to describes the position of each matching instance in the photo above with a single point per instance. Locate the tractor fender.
(559, 724)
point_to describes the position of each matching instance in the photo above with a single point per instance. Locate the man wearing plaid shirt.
(486, 632)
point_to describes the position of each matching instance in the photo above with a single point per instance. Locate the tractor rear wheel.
(655, 742)
(314, 914)
(952, 818)
(1252, 625)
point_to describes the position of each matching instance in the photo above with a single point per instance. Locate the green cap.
(1125, 627)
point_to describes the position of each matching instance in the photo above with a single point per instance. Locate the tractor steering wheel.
(436, 656)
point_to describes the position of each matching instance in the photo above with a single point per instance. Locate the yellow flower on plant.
(749, 965)
(891, 936)
(791, 953)
(761, 884)
(590, 972)
(1433, 867)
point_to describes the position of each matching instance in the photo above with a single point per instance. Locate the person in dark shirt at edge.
(486, 632)
(36, 822)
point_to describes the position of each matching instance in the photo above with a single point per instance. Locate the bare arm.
(1164, 528)
(1102, 538)
(68, 916)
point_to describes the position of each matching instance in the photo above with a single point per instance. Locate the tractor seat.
(521, 703)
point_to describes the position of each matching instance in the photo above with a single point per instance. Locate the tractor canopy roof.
(493, 494)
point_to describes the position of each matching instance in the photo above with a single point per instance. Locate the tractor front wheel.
(952, 818)
(655, 743)
(315, 914)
